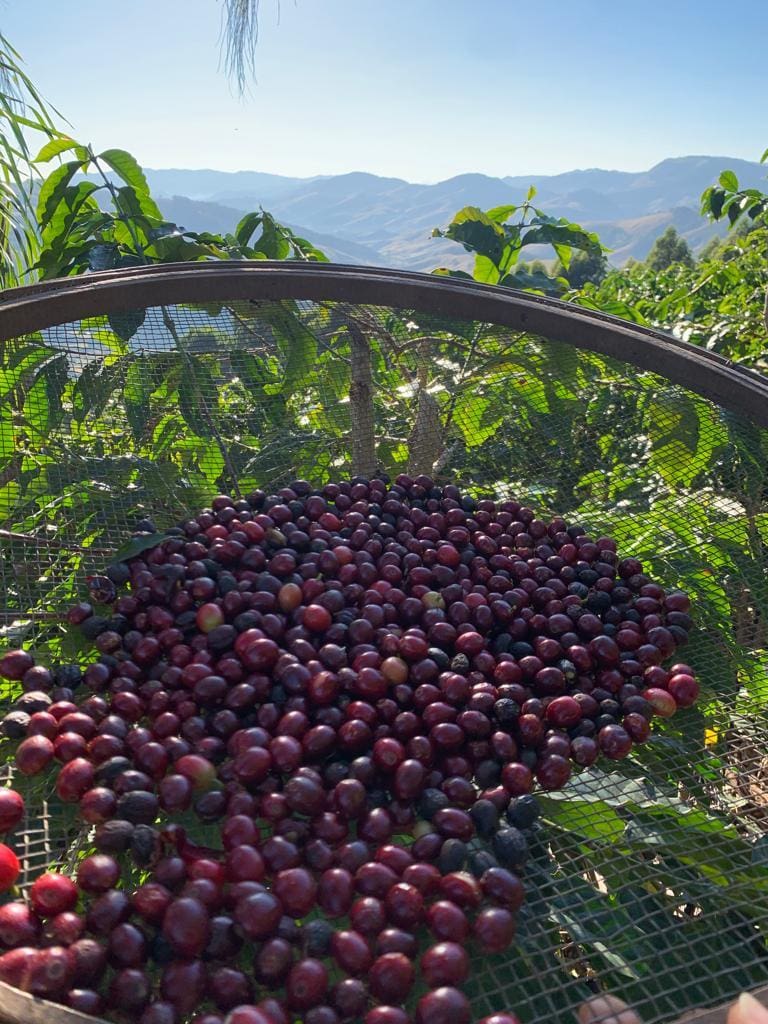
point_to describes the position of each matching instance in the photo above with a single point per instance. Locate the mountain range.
(364, 218)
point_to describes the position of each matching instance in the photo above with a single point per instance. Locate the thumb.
(747, 1010)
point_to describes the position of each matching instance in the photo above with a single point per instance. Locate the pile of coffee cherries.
(354, 690)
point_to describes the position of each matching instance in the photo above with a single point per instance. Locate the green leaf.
(764, 157)
(197, 390)
(477, 232)
(98, 380)
(729, 181)
(500, 214)
(60, 145)
(53, 189)
(477, 418)
(57, 235)
(245, 229)
(42, 406)
(138, 205)
(125, 325)
(7, 444)
(297, 343)
(125, 165)
(19, 362)
(136, 396)
(684, 434)
(135, 546)
(176, 248)
(712, 201)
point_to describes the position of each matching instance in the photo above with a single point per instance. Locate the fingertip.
(606, 1009)
(747, 1011)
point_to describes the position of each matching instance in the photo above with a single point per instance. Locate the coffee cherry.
(11, 809)
(391, 977)
(307, 984)
(443, 1006)
(52, 894)
(10, 869)
(444, 964)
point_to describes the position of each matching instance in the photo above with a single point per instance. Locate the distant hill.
(365, 218)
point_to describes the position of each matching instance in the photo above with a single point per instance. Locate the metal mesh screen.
(650, 876)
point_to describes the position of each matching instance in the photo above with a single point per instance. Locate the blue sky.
(419, 89)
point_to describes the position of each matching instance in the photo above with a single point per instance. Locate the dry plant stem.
(361, 404)
(425, 444)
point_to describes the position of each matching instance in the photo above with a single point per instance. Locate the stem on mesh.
(425, 444)
(361, 404)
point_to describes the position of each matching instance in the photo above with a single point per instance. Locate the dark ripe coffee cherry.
(584, 750)
(306, 985)
(18, 925)
(386, 1015)
(553, 772)
(335, 891)
(461, 888)
(97, 873)
(258, 915)
(637, 726)
(484, 817)
(316, 937)
(432, 801)
(516, 778)
(446, 963)
(447, 922)
(424, 877)
(374, 879)
(391, 977)
(254, 1015)
(85, 1001)
(684, 688)
(454, 823)
(183, 984)
(186, 926)
(273, 962)
(503, 888)
(14, 664)
(523, 811)
(108, 911)
(229, 987)
(453, 855)
(296, 889)
(349, 998)
(494, 929)
(127, 946)
(321, 1015)
(614, 741)
(90, 962)
(510, 847)
(352, 952)
(501, 1018)
(445, 1005)
(404, 905)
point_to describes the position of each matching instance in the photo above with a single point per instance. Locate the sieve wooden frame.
(36, 307)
